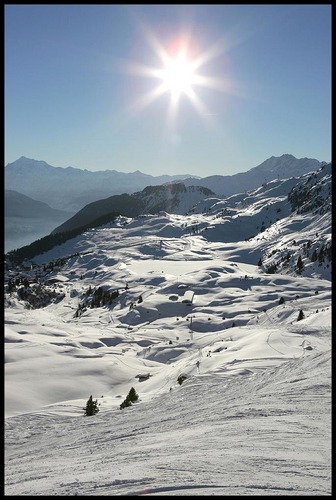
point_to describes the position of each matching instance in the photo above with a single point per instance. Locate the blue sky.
(74, 92)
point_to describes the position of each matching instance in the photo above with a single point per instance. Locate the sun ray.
(148, 98)
(200, 107)
(214, 51)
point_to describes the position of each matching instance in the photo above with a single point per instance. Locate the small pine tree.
(321, 255)
(260, 262)
(299, 264)
(301, 315)
(125, 404)
(313, 258)
(91, 407)
(281, 300)
(131, 397)
(181, 379)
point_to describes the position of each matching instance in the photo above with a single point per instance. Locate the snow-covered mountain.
(272, 200)
(176, 198)
(71, 188)
(275, 207)
(172, 198)
(220, 319)
(281, 167)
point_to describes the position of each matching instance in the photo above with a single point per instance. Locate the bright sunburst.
(178, 73)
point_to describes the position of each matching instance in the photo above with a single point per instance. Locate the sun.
(178, 76)
(180, 60)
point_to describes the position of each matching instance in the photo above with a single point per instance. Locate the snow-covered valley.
(184, 296)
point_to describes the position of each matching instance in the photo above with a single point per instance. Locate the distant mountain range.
(72, 188)
(72, 193)
(282, 167)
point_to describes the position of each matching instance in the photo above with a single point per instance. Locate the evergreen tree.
(91, 407)
(181, 379)
(11, 286)
(299, 264)
(125, 404)
(314, 256)
(301, 315)
(321, 255)
(131, 397)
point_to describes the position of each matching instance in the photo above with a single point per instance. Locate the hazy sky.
(85, 86)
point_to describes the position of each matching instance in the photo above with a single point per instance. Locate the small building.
(188, 297)
(57, 278)
(27, 265)
(143, 376)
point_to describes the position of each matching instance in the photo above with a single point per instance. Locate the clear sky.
(167, 89)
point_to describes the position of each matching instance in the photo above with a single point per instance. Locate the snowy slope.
(267, 433)
(253, 415)
(172, 198)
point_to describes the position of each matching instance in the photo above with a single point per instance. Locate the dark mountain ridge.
(153, 199)
(20, 205)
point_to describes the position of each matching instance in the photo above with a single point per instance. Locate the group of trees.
(131, 398)
(313, 195)
(34, 294)
(96, 298)
(321, 254)
(101, 297)
(13, 284)
(91, 407)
